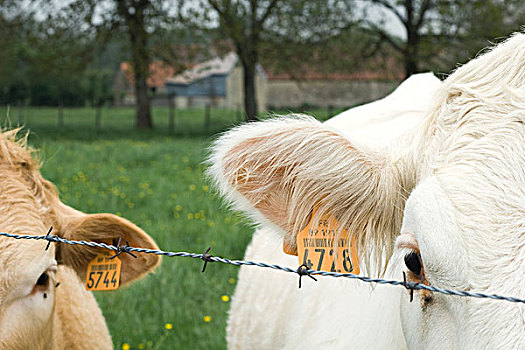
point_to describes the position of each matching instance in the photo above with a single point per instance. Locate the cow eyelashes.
(413, 263)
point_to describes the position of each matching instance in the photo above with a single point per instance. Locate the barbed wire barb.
(123, 249)
(206, 258)
(209, 258)
(303, 271)
(49, 240)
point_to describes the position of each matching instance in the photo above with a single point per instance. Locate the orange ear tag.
(103, 273)
(317, 247)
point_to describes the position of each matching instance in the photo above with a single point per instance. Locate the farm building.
(335, 89)
(218, 82)
(123, 84)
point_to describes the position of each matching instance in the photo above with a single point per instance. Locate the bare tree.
(132, 14)
(252, 24)
(137, 19)
(441, 28)
(243, 22)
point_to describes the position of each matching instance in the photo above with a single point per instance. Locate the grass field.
(189, 122)
(155, 180)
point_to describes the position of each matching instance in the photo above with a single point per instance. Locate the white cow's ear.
(278, 170)
(106, 228)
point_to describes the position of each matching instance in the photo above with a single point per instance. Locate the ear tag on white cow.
(103, 273)
(317, 247)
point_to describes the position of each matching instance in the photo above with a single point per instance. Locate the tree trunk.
(411, 54)
(138, 35)
(143, 112)
(250, 97)
(411, 66)
(171, 107)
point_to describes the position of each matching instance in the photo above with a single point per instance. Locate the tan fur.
(29, 204)
(77, 329)
(107, 227)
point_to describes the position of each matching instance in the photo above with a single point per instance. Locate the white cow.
(373, 125)
(449, 195)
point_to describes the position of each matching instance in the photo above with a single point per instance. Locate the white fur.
(378, 123)
(268, 311)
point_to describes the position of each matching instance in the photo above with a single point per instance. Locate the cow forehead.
(22, 261)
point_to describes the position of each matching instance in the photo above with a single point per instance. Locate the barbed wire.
(301, 271)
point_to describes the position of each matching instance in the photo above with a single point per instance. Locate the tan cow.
(34, 312)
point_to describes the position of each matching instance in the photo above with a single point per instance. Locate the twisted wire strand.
(126, 249)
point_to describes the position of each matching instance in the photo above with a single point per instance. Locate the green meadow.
(156, 180)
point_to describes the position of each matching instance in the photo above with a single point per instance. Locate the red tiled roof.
(158, 73)
(188, 56)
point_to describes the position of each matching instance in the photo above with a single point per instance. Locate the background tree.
(46, 47)
(138, 19)
(435, 34)
(59, 55)
(243, 22)
(437, 30)
(43, 60)
(132, 15)
(252, 24)
(14, 75)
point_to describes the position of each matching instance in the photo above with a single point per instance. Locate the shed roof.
(215, 66)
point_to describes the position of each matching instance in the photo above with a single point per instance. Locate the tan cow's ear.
(106, 228)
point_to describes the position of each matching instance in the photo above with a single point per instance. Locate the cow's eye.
(43, 280)
(413, 262)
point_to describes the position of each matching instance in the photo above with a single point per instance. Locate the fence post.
(207, 117)
(330, 111)
(239, 113)
(60, 115)
(98, 115)
(20, 113)
(171, 107)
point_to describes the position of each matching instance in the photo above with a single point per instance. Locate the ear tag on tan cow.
(317, 247)
(103, 273)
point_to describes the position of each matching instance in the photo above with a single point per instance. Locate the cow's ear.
(279, 170)
(109, 229)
